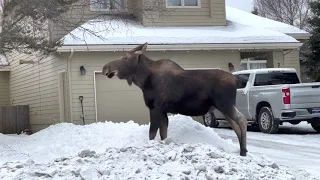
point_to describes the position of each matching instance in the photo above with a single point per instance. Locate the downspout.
(70, 84)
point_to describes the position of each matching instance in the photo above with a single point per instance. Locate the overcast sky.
(245, 5)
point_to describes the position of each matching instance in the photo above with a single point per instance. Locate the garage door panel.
(118, 102)
(115, 84)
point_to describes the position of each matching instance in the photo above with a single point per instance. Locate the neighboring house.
(205, 34)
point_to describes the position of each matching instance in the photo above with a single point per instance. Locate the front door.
(242, 95)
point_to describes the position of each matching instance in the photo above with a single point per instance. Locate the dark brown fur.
(168, 88)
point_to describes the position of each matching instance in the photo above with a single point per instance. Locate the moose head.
(126, 66)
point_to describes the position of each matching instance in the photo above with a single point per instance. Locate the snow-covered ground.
(122, 151)
(294, 145)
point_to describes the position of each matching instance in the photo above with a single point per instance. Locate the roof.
(239, 30)
(263, 70)
(245, 18)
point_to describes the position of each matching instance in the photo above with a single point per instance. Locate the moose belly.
(188, 108)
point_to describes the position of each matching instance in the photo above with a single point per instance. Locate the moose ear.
(143, 49)
(140, 47)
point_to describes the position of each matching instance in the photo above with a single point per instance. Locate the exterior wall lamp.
(82, 70)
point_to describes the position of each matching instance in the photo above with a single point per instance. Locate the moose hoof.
(243, 153)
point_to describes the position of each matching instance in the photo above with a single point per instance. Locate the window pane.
(191, 2)
(174, 2)
(274, 78)
(242, 80)
(244, 66)
(257, 65)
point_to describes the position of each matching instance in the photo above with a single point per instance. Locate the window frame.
(183, 6)
(250, 61)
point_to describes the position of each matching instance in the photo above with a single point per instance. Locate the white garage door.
(119, 102)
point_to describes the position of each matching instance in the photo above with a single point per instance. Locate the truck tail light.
(286, 97)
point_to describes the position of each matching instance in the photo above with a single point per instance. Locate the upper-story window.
(183, 3)
(106, 5)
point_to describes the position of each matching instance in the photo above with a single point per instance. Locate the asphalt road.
(294, 145)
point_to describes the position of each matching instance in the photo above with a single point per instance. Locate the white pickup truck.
(271, 96)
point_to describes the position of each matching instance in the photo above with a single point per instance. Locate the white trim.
(5, 68)
(200, 68)
(61, 95)
(183, 6)
(95, 92)
(177, 47)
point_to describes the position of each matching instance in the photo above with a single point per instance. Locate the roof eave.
(4, 68)
(177, 47)
(300, 36)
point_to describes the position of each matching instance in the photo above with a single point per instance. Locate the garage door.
(119, 102)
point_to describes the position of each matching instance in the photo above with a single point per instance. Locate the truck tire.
(316, 126)
(209, 120)
(266, 121)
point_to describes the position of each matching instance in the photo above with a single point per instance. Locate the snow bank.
(114, 31)
(122, 150)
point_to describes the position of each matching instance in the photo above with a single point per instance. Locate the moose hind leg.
(238, 122)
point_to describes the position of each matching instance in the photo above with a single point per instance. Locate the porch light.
(231, 67)
(82, 70)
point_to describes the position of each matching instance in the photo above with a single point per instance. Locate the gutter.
(70, 83)
(177, 47)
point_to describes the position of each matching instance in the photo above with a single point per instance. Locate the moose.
(168, 88)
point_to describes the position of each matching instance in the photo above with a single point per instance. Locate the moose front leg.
(158, 120)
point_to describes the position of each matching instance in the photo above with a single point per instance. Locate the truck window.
(242, 80)
(274, 78)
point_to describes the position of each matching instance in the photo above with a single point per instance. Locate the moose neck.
(143, 71)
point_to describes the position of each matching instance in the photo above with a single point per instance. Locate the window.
(274, 78)
(242, 80)
(183, 3)
(253, 64)
(106, 5)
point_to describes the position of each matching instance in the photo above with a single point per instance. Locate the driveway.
(293, 145)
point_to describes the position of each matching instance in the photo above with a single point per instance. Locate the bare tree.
(293, 12)
(25, 23)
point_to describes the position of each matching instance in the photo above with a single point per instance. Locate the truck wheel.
(209, 119)
(266, 121)
(316, 126)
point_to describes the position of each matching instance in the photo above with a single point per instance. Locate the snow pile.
(114, 31)
(122, 150)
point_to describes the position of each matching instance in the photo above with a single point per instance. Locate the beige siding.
(36, 85)
(77, 15)
(291, 60)
(4, 88)
(84, 85)
(212, 12)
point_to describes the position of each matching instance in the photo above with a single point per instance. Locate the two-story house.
(194, 33)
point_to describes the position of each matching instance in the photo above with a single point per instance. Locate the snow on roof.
(245, 18)
(135, 33)
(239, 30)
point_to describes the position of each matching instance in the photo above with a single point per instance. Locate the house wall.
(36, 85)
(83, 85)
(79, 14)
(4, 88)
(212, 12)
(292, 60)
